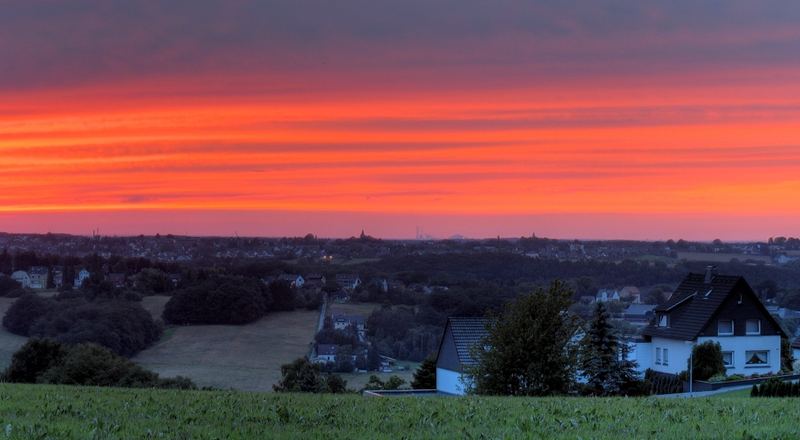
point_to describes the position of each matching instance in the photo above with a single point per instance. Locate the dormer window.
(753, 326)
(663, 320)
(725, 327)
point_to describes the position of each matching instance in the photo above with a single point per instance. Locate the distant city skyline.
(608, 119)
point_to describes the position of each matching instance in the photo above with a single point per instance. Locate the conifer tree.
(600, 355)
(425, 376)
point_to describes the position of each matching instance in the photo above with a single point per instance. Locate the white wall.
(451, 382)
(741, 344)
(641, 352)
(678, 359)
(679, 352)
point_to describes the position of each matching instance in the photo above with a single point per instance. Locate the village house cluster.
(704, 307)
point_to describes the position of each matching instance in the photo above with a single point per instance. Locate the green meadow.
(62, 412)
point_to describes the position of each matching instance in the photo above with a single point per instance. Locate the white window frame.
(663, 320)
(733, 327)
(747, 330)
(665, 357)
(658, 355)
(730, 365)
(748, 355)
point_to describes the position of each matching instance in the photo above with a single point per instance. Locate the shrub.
(775, 387)
(47, 361)
(717, 378)
(707, 359)
(24, 312)
(300, 376)
(218, 300)
(33, 359)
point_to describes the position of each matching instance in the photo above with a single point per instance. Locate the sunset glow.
(641, 138)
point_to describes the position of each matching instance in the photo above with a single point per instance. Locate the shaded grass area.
(36, 411)
(243, 357)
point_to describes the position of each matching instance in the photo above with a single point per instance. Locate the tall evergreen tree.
(529, 350)
(425, 376)
(599, 356)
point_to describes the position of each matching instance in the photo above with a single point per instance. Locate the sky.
(596, 119)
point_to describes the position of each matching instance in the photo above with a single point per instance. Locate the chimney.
(710, 272)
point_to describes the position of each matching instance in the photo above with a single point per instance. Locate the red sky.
(610, 121)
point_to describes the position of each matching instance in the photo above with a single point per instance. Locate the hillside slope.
(38, 411)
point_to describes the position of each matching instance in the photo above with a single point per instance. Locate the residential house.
(356, 322)
(718, 308)
(294, 280)
(348, 281)
(82, 276)
(796, 349)
(454, 357)
(39, 276)
(606, 295)
(22, 277)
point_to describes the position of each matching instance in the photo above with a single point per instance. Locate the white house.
(82, 276)
(22, 277)
(712, 307)
(605, 295)
(39, 276)
(454, 357)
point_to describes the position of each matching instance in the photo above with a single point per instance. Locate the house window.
(666, 357)
(658, 356)
(753, 326)
(757, 358)
(663, 320)
(727, 358)
(725, 327)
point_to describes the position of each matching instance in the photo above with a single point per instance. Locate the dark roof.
(467, 332)
(695, 302)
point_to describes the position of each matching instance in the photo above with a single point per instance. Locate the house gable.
(447, 358)
(741, 305)
(692, 310)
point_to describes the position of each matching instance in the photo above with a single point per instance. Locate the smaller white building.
(80, 277)
(22, 277)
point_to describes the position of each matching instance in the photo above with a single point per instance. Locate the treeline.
(123, 327)
(231, 299)
(48, 361)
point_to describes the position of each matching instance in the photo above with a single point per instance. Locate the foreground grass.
(58, 412)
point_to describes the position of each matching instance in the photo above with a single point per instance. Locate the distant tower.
(363, 235)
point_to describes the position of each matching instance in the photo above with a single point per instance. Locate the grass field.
(243, 357)
(363, 309)
(155, 304)
(9, 343)
(37, 411)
